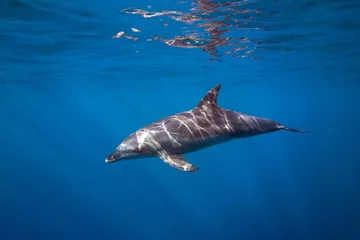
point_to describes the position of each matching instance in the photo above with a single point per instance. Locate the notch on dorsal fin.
(210, 97)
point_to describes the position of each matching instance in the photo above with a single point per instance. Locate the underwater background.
(77, 77)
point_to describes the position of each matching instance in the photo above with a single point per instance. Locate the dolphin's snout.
(113, 157)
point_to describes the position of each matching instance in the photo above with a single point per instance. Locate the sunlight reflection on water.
(208, 25)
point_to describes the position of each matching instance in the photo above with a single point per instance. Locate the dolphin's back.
(244, 125)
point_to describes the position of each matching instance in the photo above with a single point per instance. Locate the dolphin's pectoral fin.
(177, 161)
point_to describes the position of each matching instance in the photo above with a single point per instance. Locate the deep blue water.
(70, 91)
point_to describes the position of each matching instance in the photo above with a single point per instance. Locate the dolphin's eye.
(137, 149)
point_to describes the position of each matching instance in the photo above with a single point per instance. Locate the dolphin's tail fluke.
(292, 129)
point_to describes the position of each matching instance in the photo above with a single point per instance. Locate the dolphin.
(205, 125)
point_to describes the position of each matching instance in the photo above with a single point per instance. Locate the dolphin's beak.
(113, 157)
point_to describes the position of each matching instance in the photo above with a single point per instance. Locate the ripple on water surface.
(218, 28)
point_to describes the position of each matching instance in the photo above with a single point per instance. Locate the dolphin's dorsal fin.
(210, 98)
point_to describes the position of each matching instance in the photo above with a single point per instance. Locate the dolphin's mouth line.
(113, 157)
(107, 160)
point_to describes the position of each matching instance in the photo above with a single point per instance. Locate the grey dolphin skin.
(204, 126)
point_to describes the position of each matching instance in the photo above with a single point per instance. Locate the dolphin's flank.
(205, 125)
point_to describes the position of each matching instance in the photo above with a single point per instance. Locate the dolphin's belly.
(191, 145)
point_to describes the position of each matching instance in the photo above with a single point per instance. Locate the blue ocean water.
(76, 77)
